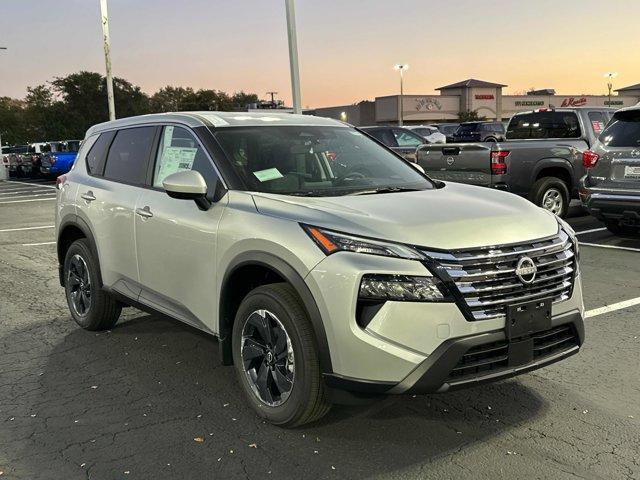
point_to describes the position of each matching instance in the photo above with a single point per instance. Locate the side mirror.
(188, 185)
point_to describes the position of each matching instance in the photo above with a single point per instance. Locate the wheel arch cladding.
(73, 228)
(555, 168)
(250, 270)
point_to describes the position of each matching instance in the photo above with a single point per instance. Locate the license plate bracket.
(528, 317)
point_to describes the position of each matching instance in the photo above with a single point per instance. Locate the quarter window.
(98, 153)
(179, 151)
(129, 154)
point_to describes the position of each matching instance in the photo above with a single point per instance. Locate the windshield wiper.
(389, 189)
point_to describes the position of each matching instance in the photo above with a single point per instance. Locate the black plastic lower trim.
(431, 376)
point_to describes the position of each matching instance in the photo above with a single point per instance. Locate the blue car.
(59, 158)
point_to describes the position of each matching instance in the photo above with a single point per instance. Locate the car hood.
(453, 217)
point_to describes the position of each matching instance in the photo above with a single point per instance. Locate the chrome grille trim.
(486, 279)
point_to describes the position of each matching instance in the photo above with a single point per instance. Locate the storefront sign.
(529, 103)
(428, 104)
(574, 102)
(485, 97)
(613, 102)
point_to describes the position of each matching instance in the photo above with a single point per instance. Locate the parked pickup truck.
(541, 158)
(59, 157)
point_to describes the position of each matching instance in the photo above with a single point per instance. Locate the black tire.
(623, 230)
(306, 401)
(103, 310)
(491, 140)
(548, 186)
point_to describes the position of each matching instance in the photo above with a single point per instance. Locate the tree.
(470, 116)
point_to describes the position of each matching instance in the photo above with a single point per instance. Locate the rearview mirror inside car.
(188, 185)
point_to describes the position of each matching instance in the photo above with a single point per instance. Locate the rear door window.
(384, 135)
(129, 155)
(597, 121)
(623, 131)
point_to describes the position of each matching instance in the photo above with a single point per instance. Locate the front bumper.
(415, 346)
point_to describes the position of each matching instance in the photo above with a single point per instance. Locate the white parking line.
(591, 231)
(612, 247)
(37, 244)
(32, 184)
(612, 308)
(26, 228)
(48, 194)
(33, 200)
(20, 192)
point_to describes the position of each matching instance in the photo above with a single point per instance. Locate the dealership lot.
(149, 399)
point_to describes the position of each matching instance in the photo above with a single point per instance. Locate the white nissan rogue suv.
(329, 268)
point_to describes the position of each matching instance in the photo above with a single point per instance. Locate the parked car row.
(552, 156)
(40, 159)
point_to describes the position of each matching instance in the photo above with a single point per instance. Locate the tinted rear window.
(544, 125)
(129, 155)
(623, 131)
(98, 153)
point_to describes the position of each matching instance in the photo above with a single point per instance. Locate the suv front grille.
(493, 357)
(487, 281)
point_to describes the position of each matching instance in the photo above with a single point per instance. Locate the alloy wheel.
(79, 285)
(553, 201)
(267, 357)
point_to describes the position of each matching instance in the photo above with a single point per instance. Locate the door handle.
(144, 212)
(88, 196)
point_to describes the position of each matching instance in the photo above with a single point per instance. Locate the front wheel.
(552, 194)
(276, 359)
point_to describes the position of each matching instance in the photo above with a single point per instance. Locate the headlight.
(572, 236)
(332, 242)
(400, 288)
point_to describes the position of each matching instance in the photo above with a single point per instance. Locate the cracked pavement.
(129, 403)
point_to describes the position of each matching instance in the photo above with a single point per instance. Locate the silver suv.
(330, 269)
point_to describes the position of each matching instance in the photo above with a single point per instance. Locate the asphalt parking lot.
(149, 399)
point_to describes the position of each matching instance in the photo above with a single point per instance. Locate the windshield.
(314, 161)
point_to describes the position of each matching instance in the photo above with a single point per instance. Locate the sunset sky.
(347, 48)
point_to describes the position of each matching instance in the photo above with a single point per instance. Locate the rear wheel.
(617, 229)
(91, 307)
(552, 194)
(275, 357)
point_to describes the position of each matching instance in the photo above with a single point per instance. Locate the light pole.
(401, 68)
(610, 76)
(293, 55)
(104, 19)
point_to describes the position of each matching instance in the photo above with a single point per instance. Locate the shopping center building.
(486, 98)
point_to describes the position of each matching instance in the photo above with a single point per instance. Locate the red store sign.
(484, 97)
(574, 102)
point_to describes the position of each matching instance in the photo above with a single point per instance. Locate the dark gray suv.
(611, 188)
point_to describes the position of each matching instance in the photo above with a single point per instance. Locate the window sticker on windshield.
(268, 174)
(175, 159)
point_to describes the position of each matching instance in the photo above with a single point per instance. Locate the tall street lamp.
(293, 55)
(610, 76)
(104, 19)
(401, 68)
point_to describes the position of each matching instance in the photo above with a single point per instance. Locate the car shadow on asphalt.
(138, 396)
